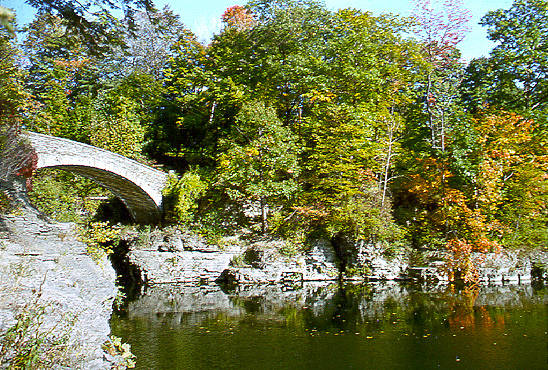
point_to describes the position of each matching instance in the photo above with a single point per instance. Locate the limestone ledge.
(187, 258)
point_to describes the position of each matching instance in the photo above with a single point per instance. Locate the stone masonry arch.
(137, 185)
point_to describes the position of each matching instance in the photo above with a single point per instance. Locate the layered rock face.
(187, 258)
(47, 276)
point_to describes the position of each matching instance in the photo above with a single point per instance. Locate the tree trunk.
(264, 225)
(388, 163)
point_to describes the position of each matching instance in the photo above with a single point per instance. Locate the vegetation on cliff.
(335, 123)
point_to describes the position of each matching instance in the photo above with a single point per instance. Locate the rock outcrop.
(187, 258)
(179, 257)
(46, 274)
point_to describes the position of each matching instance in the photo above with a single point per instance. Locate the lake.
(332, 326)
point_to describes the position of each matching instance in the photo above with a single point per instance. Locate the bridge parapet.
(137, 185)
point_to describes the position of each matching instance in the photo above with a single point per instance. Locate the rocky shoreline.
(180, 257)
(51, 287)
(43, 266)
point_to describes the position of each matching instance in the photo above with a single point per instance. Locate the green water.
(330, 327)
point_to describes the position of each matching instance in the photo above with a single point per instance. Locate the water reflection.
(400, 326)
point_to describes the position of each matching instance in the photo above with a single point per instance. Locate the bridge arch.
(137, 185)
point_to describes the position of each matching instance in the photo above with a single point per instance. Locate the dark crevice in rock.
(344, 249)
(114, 211)
(129, 276)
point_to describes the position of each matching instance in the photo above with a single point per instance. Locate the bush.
(180, 197)
(99, 238)
(5, 202)
(29, 345)
(115, 347)
(65, 197)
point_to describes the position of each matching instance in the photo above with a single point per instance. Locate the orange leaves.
(451, 213)
(502, 134)
(429, 178)
(238, 17)
(311, 212)
(462, 263)
(73, 65)
(465, 257)
(489, 188)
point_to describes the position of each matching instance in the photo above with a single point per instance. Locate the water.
(377, 326)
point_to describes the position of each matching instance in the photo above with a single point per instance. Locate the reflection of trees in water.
(410, 309)
(330, 308)
(466, 314)
(342, 311)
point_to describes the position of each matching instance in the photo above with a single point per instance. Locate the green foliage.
(259, 162)
(358, 271)
(115, 347)
(99, 237)
(94, 28)
(15, 152)
(5, 202)
(116, 127)
(65, 197)
(29, 344)
(6, 20)
(332, 123)
(294, 245)
(520, 60)
(238, 261)
(181, 196)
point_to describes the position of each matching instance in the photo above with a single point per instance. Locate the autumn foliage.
(238, 17)
(332, 124)
(441, 26)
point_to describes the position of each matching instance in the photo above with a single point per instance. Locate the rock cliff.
(47, 277)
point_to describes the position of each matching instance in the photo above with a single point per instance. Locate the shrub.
(99, 238)
(115, 347)
(28, 344)
(5, 203)
(181, 195)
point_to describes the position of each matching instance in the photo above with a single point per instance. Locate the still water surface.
(376, 326)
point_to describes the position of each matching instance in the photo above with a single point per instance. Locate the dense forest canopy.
(334, 123)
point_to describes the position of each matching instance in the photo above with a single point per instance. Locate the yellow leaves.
(321, 96)
(224, 162)
(428, 183)
(252, 151)
(504, 131)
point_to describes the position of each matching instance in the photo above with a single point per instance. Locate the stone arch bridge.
(137, 185)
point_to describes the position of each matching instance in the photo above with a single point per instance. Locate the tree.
(508, 94)
(520, 56)
(91, 20)
(6, 19)
(352, 122)
(62, 78)
(238, 17)
(259, 160)
(440, 28)
(148, 49)
(16, 155)
(511, 186)
(115, 126)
